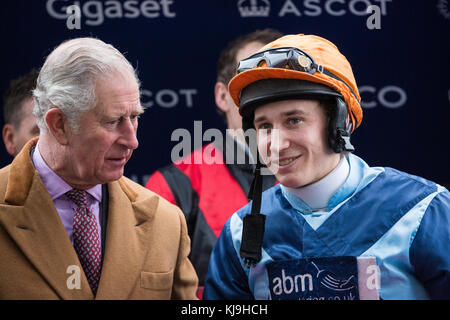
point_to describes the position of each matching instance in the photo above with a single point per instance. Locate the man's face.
(292, 140)
(28, 127)
(99, 150)
(15, 137)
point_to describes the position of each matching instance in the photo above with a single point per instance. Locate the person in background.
(208, 193)
(334, 227)
(71, 226)
(20, 123)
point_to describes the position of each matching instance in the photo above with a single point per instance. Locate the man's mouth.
(285, 161)
(117, 160)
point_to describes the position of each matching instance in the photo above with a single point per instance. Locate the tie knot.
(79, 197)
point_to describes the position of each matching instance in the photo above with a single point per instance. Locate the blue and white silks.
(401, 219)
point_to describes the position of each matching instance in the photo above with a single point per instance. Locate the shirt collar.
(317, 195)
(54, 184)
(327, 192)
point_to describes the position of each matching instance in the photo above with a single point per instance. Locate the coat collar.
(31, 219)
(21, 175)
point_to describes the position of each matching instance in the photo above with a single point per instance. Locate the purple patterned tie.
(86, 238)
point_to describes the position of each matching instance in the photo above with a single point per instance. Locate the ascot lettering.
(314, 8)
(392, 97)
(167, 98)
(96, 11)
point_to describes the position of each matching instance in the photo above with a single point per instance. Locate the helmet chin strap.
(253, 223)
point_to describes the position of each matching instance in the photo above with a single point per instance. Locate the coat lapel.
(126, 241)
(30, 218)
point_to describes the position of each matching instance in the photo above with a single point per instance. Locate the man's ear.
(9, 135)
(221, 94)
(57, 125)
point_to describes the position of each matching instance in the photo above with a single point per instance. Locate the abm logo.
(254, 8)
(443, 7)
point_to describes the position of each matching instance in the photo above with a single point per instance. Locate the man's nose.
(128, 136)
(279, 141)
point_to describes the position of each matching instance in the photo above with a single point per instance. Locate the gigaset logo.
(94, 11)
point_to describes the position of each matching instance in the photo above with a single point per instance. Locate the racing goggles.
(287, 58)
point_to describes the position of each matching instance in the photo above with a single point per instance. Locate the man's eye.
(294, 121)
(113, 123)
(264, 126)
(134, 117)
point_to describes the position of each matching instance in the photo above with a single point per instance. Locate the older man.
(71, 227)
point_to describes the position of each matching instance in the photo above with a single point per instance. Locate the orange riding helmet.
(300, 66)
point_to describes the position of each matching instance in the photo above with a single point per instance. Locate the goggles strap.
(332, 75)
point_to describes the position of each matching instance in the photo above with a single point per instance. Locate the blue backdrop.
(402, 68)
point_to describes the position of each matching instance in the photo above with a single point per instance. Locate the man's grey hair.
(68, 78)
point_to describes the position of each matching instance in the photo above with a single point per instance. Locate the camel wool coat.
(146, 244)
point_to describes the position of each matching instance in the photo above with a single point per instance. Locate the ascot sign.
(311, 8)
(96, 11)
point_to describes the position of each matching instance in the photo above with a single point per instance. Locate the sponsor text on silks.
(324, 278)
